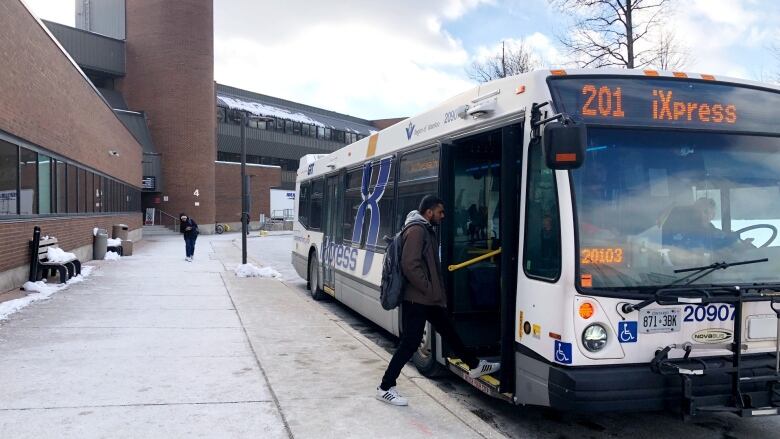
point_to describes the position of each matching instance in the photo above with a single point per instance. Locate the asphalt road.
(528, 422)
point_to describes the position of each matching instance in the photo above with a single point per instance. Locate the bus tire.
(425, 356)
(314, 278)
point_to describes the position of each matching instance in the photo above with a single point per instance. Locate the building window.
(89, 187)
(73, 189)
(28, 182)
(61, 186)
(82, 191)
(9, 171)
(44, 184)
(221, 114)
(98, 193)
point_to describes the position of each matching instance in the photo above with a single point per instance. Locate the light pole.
(245, 181)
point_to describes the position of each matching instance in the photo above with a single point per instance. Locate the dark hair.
(429, 202)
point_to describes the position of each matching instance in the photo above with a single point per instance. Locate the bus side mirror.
(564, 144)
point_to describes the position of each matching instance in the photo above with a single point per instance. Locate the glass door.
(331, 228)
(473, 223)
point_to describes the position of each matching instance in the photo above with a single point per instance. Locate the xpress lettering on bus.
(345, 256)
(371, 203)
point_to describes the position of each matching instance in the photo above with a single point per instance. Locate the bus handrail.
(474, 261)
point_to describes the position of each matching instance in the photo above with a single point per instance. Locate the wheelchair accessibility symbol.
(627, 332)
(562, 352)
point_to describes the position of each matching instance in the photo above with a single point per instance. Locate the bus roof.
(492, 103)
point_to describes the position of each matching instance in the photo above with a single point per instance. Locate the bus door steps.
(488, 384)
(754, 384)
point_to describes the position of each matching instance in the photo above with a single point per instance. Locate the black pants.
(189, 245)
(414, 317)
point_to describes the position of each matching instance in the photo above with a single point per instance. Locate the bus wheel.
(314, 278)
(425, 357)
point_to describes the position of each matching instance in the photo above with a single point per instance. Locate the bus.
(611, 236)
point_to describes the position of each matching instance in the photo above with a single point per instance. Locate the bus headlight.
(594, 337)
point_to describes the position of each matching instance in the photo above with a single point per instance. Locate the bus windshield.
(649, 202)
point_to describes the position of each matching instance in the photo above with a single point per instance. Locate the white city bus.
(609, 235)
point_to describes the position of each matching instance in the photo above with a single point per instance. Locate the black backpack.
(391, 290)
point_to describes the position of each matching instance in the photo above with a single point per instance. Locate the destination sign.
(667, 102)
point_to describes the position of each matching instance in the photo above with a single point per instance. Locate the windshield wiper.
(696, 274)
(707, 269)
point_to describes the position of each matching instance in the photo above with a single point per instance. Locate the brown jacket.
(421, 267)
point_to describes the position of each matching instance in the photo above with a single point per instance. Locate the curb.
(471, 421)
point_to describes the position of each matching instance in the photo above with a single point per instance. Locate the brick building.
(67, 162)
(116, 118)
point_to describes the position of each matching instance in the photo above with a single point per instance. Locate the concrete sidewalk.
(153, 346)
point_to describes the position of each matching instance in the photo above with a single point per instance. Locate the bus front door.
(472, 229)
(331, 228)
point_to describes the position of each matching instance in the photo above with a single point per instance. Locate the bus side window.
(418, 176)
(315, 214)
(542, 243)
(303, 204)
(352, 200)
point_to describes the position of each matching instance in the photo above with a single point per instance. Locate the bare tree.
(669, 53)
(510, 61)
(606, 32)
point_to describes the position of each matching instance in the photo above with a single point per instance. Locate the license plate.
(659, 320)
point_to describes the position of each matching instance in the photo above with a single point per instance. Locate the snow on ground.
(249, 270)
(40, 290)
(58, 255)
(112, 256)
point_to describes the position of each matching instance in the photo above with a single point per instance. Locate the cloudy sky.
(377, 59)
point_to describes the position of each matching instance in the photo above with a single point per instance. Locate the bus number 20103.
(710, 313)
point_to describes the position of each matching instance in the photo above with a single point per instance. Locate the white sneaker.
(484, 368)
(188, 259)
(390, 396)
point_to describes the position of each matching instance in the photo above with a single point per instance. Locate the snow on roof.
(259, 109)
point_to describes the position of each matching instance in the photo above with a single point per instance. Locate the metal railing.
(166, 220)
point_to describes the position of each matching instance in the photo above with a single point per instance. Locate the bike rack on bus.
(753, 401)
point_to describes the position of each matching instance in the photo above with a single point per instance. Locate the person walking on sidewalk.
(425, 299)
(189, 228)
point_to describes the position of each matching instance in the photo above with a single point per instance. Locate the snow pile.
(112, 256)
(114, 242)
(40, 291)
(249, 270)
(95, 231)
(58, 255)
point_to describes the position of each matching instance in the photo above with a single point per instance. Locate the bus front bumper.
(637, 388)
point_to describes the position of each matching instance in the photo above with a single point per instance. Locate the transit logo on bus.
(371, 202)
(409, 131)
